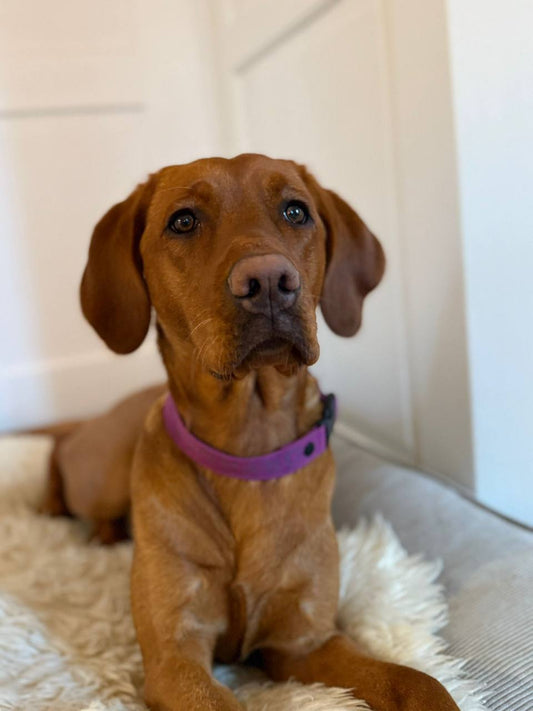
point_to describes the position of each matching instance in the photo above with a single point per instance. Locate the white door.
(312, 80)
(91, 100)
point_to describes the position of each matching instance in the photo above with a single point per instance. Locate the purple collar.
(279, 463)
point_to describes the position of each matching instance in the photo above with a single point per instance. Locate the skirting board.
(70, 388)
(369, 444)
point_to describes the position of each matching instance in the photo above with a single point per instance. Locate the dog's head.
(235, 256)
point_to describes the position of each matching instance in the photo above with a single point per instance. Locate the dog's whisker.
(203, 348)
(202, 323)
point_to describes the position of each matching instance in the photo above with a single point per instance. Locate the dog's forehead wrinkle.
(201, 187)
(272, 182)
(247, 177)
(277, 182)
(254, 174)
(174, 187)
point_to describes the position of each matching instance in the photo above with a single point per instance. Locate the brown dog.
(234, 256)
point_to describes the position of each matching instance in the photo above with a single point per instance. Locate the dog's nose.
(264, 283)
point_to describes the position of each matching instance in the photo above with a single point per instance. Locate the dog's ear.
(114, 297)
(355, 261)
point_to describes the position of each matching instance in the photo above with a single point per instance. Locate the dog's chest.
(286, 565)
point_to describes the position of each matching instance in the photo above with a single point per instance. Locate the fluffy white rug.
(66, 637)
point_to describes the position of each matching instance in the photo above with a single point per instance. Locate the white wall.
(491, 53)
(432, 260)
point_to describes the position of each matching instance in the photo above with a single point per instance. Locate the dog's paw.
(411, 690)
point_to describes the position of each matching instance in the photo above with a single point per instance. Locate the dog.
(235, 256)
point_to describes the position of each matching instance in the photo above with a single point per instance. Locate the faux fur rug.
(67, 641)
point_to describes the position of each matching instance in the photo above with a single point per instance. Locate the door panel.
(61, 53)
(56, 198)
(253, 27)
(94, 94)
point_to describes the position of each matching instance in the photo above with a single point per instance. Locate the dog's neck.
(253, 415)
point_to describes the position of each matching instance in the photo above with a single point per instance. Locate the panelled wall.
(115, 89)
(93, 95)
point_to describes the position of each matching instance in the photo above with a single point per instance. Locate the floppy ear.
(355, 261)
(114, 297)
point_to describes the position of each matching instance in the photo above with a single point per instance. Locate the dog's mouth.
(269, 351)
(284, 350)
(269, 346)
(286, 342)
(287, 352)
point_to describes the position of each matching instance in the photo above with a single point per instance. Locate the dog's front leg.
(178, 612)
(179, 683)
(384, 686)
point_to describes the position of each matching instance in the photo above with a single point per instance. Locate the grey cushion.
(488, 566)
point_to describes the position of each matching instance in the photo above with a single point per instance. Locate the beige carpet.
(67, 641)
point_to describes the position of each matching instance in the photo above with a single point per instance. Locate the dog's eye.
(296, 212)
(182, 221)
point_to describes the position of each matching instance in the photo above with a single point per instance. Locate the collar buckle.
(328, 414)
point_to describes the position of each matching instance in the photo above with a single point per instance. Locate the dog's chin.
(287, 356)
